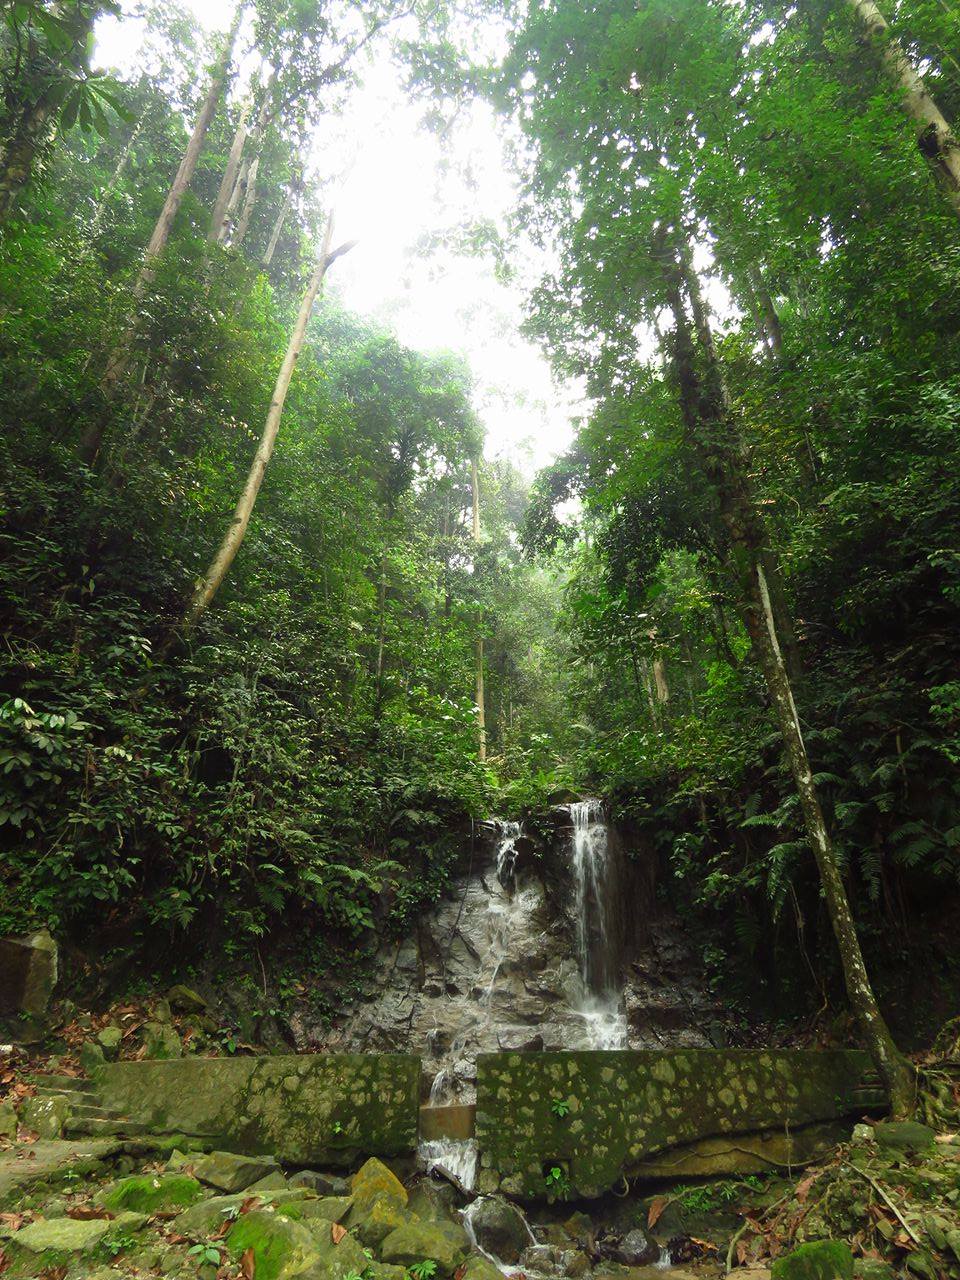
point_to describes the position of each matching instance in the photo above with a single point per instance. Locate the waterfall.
(594, 905)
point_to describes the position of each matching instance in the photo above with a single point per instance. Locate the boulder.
(329, 1208)
(74, 1235)
(325, 1184)
(281, 1248)
(206, 1216)
(480, 1268)
(92, 1057)
(499, 1228)
(229, 1172)
(373, 1181)
(185, 1000)
(8, 1120)
(445, 1243)
(336, 1260)
(161, 1042)
(434, 1201)
(28, 973)
(45, 1115)
(632, 1250)
(903, 1135)
(383, 1271)
(374, 1220)
(273, 1181)
(146, 1194)
(818, 1260)
(109, 1039)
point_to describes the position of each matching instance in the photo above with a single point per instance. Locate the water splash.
(457, 1156)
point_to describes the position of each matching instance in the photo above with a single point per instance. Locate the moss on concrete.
(623, 1109)
(305, 1109)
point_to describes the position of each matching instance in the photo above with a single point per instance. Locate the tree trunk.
(249, 200)
(275, 234)
(769, 319)
(660, 681)
(481, 707)
(935, 137)
(229, 179)
(119, 357)
(245, 179)
(20, 153)
(715, 436)
(210, 582)
(115, 177)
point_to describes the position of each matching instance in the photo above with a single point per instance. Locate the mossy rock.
(383, 1271)
(281, 1248)
(904, 1135)
(329, 1208)
(374, 1181)
(818, 1260)
(873, 1269)
(445, 1243)
(147, 1194)
(336, 1260)
(73, 1235)
(373, 1221)
(204, 1217)
(229, 1172)
(479, 1268)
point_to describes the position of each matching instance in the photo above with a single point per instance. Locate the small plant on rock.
(560, 1108)
(426, 1269)
(557, 1182)
(205, 1253)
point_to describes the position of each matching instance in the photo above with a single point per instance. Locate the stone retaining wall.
(596, 1117)
(307, 1109)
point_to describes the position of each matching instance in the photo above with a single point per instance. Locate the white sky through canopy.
(403, 185)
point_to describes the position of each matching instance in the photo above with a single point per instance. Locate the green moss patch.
(147, 1194)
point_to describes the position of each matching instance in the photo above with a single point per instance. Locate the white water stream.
(599, 1003)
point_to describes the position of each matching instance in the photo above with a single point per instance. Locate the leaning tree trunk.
(935, 137)
(210, 583)
(277, 231)
(481, 695)
(716, 439)
(120, 356)
(228, 181)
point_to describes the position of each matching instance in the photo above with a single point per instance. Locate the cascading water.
(599, 1001)
(508, 907)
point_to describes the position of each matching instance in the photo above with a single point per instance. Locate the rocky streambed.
(882, 1206)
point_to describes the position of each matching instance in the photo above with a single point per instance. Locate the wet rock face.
(499, 1228)
(494, 967)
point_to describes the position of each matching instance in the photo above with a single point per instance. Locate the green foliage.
(426, 1269)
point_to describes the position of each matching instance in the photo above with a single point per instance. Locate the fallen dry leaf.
(803, 1188)
(248, 1264)
(251, 1202)
(656, 1209)
(86, 1212)
(337, 1232)
(13, 1220)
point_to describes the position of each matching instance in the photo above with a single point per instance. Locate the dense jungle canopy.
(277, 629)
